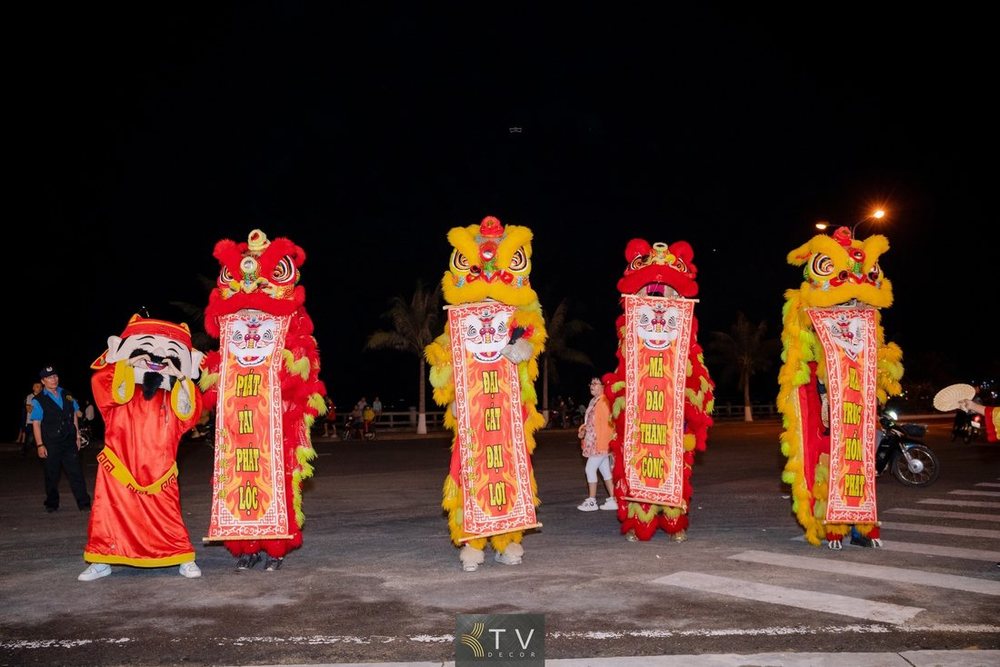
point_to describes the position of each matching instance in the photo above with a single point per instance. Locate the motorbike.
(967, 426)
(902, 451)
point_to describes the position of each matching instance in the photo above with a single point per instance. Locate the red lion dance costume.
(483, 368)
(656, 275)
(264, 380)
(830, 411)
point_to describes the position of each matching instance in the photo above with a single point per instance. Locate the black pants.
(63, 455)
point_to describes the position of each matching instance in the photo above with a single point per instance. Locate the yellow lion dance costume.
(489, 263)
(839, 270)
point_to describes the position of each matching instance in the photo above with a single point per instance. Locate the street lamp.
(877, 214)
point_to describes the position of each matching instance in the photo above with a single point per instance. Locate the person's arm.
(76, 424)
(39, 445)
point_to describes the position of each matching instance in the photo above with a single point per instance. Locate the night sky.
(143, 135)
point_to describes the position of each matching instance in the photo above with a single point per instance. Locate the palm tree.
(414, 323)
(744, 351)
(560, 330)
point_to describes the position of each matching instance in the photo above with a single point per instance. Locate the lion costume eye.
(875, 273)
(680, 265)
(822, 265)
(459, 262)
(284, 271)
(224, 276)
(639, 262)
(519, 262)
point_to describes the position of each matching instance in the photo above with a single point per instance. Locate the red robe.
(136, 517)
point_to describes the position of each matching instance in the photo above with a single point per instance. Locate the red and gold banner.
(847, 336)
(248, 489)
(655, 344)
(495, 466)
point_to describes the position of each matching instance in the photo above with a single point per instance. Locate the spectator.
(55, 420)
(595, 435)
(377, 407)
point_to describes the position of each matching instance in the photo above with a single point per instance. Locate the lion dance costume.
(661, 394)
(837, 370)
(136, 518)
(483, 368)
(264, 383)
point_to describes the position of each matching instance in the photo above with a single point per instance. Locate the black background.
(144, 134)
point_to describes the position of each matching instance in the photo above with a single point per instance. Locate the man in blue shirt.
(54, 418)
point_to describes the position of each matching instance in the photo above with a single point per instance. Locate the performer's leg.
(471, 554)
(507, 548)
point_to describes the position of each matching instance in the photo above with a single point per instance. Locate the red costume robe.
(136, 518)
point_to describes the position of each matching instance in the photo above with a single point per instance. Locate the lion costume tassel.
(264, 383)
(483, 368)
(661, 394)
(837, 371)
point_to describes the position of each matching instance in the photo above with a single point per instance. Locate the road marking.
(791, 597)
(944, 514)
(941, 530)
(987, 484)
(972, 492)
(881, 572)
(934, 550)
(959, 503)
(600, 635)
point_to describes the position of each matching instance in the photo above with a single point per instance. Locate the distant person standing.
(29, 433)
(55, 422)
(377, 407)
(595, 436)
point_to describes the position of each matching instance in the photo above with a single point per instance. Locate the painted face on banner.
(154, 353)
(485, 334)
(658, 326)
(847, 333)
(252, 340)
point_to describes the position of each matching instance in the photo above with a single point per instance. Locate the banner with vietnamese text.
(248, 489)
(495, 466)
(655, 344)
(847, 336)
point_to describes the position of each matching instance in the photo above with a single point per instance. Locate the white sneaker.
(190, 570)
(588, 505)
(95, 571)
(609, 504)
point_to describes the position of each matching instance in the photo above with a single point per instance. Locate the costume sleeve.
(992, 424)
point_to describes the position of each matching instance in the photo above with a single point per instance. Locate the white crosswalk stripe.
(996, 484)
(973, 492)
(943, 514)
(882, 572)
(824, 602)
(941, 530)
(959, 503)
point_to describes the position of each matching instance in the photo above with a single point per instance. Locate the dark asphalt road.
(377, 579)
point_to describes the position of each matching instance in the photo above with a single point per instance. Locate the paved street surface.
(378, 582)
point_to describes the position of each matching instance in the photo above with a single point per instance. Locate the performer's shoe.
(471, 558)
(511, 555)
(609, 504)
(95, 571)
(630, 536)
(836, 545)
(272, 564)
(189, 570)
(679, 536)
(247, 561)
(862, 541)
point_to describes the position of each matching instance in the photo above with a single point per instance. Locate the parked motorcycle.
(901, 449)
(967, 427)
